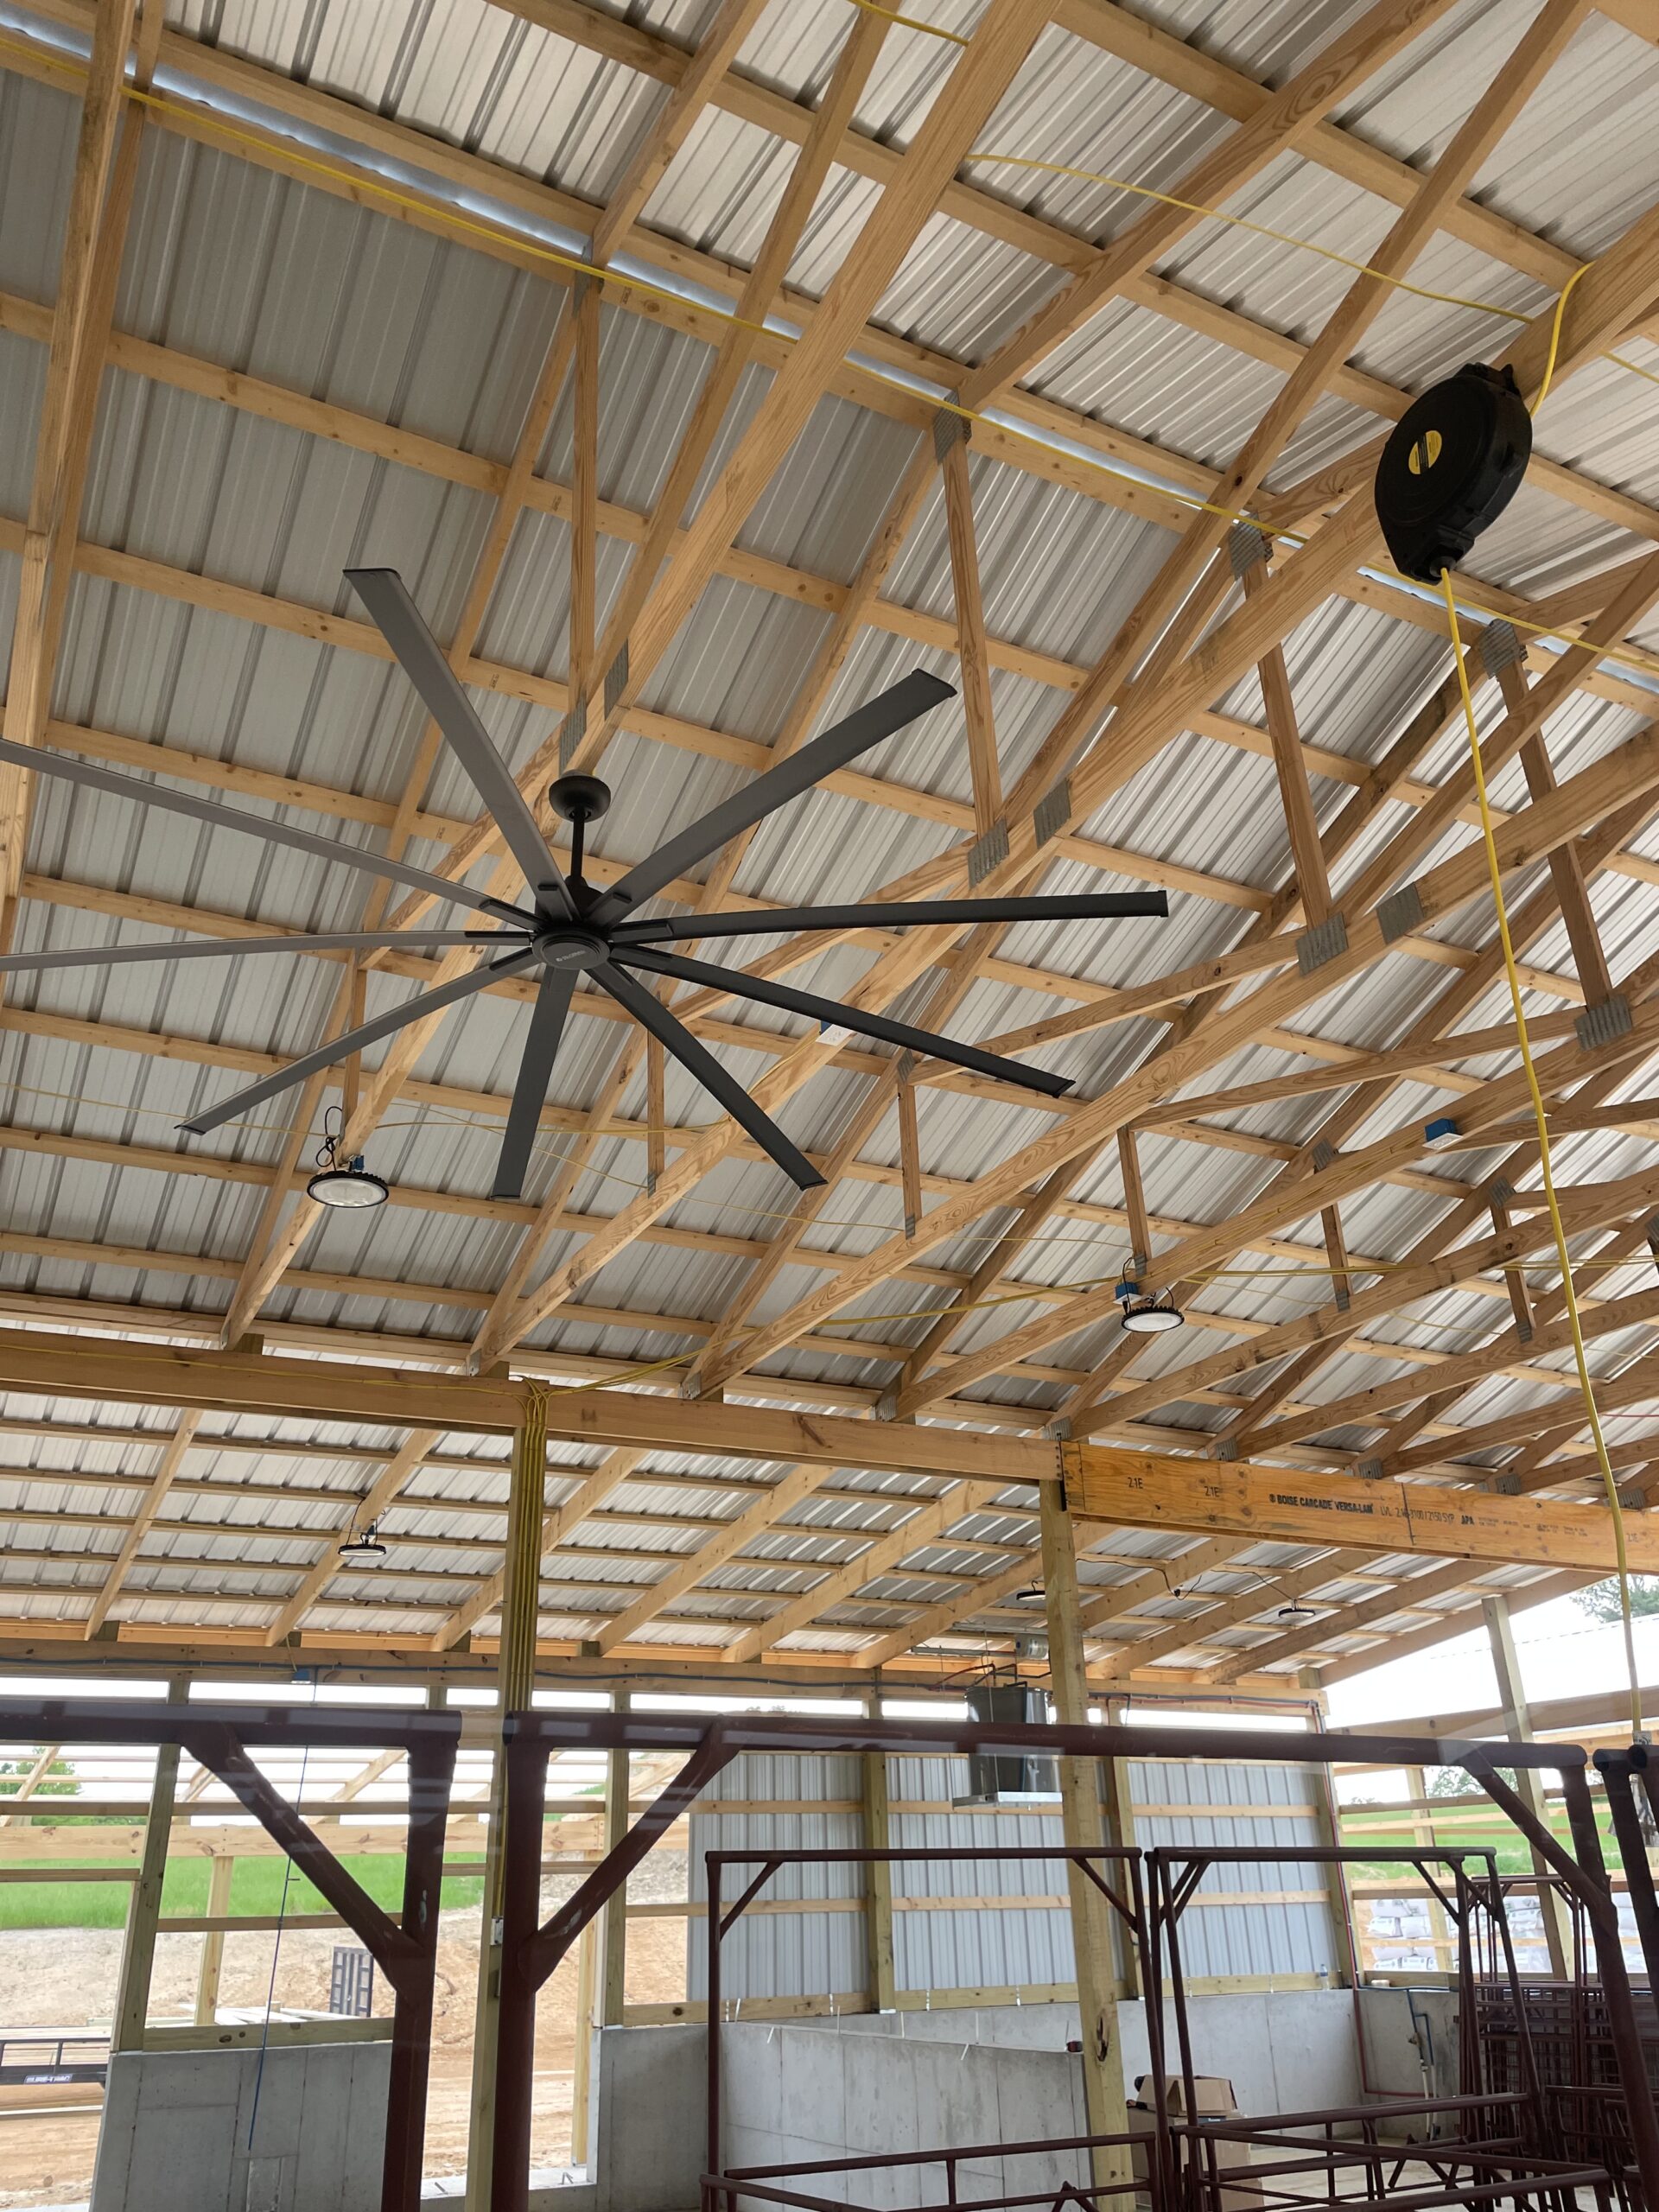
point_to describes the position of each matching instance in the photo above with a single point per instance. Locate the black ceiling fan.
(568, 927)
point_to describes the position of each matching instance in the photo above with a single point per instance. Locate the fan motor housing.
(571, 947)
(1452, 464)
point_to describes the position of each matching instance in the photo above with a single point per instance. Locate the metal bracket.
(1246, 547)
(1370, 1471)
(1497, 1192)
(1226, 1447)
(1507, 1486)
(987, 853)
(1322, 1154)
(887, 1405)
(1600, 1024)
(949, 428)
(616, 678)
(1401, 912)
(1322, 943)
(581, 284)
(1499, 647)
(571, 730)
(1052, 811)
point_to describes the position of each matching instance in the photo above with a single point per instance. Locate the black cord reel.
(1452, 464)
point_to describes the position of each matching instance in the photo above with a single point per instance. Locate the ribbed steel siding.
(1241, 1939)
(782, 1954)
(1012, 1947)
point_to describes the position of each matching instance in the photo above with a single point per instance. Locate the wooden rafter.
(1554, 825)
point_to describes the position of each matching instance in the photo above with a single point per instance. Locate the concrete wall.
(1411, 2041)
(1279, 2048)
(809, 2093)
(870, 2083)
(645, 2123)
(175, 2136)
(876, 2083)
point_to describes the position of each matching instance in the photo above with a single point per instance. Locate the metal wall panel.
(1226, 1939)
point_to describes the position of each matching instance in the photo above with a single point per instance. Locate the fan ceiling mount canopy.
(568, 927)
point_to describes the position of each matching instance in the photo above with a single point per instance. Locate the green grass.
(1512, 1854)
(255, 1887)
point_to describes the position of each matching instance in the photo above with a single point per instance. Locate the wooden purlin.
(1283, 1505)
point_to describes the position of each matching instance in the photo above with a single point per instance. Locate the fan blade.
(383, 591)
(843, 741)
(534, 1072)
(673, 1035)
(868, 1025)
(119, 956)
(42, 763)
(917, 913)
(341, 1048)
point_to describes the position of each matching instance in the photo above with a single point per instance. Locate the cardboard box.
(1212, 2097)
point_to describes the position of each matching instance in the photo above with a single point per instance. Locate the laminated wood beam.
(1282, 1505)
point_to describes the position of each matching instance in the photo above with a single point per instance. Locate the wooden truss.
(1361, 1513)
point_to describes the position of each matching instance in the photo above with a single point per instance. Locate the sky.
(1562, 1653)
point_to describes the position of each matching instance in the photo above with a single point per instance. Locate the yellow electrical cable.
(1260, 229)
(912, 23)
(1564, 1259)
(1554, 348)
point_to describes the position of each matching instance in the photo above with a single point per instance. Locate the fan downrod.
(579, 799)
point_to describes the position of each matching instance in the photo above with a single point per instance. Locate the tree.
(59, 1780)
(1601, 1602)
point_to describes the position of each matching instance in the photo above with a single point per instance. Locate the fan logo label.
(1425, 453)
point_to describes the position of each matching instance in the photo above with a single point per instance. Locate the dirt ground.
(66, 1977)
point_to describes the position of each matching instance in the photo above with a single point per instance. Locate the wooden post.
(1511, 1695)
(1120, 1823)
(144, 1906)
(1422, 1831)
(1134, 1203)
(613, 1919)
(1102, 2053)
(582, 2066)
(1346, 1970)
(878, 1882)
(213, 1943)
(515, 1681)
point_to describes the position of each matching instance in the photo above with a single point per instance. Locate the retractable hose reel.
(1452, 464)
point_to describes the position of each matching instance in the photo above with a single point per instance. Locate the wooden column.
(1346, 1970)
(1102, 2053)
(1120, 1830)
(613, 1920)
(1422, 1831)
(144, 1906)
(213, 1943)
(582, 2065)
(878, 1882)
(515, 1683)
(1511, 1695)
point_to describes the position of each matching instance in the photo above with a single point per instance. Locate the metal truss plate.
(1052, 811)
(1401, 912)
(1321, 944)
(987, 853)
